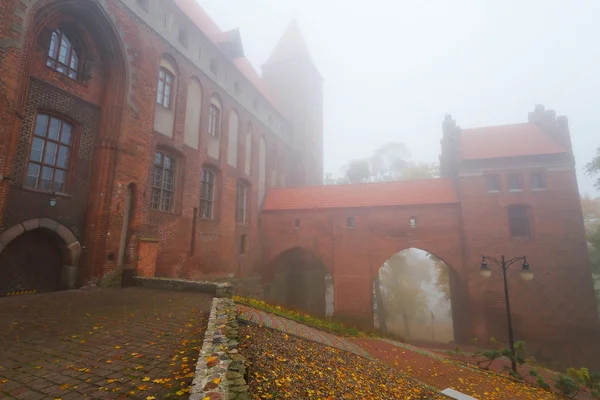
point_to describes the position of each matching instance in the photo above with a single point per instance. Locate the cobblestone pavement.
(102, 344)
(286, 325)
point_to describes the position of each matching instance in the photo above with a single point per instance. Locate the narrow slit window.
(163, 182)
(207, 194)
(350, 222)
(413, 222)
(297, 224)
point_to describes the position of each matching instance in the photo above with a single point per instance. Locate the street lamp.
(525, 273)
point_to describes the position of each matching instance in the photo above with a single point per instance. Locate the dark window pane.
(53, 45)
(157, 177)
(493, 183)
(54, 129)
(46, 178)
(518, 220)
(65, 136)
(59, 180)
(50, 154)
(63, 157)
(160, 92)
(37, 148)
(155, 198)
(537, 181)
(158, 159)
(514, 182)
(41, 123)
(33, 172)
(167, 98)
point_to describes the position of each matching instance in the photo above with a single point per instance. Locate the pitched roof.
(201, 19)
(507, 141)
(291, 45)
(430, 191)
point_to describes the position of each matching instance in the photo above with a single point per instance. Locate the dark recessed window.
(297, 224)
(214, 119)
(163, 182)
(242, 200)
(214, 67)
(537, 181)
(515, 182)
(350, 222)
(183, 37)
(207, 194)
(165, 87)
(50, 154)
(413, 222)
(492, 183)
(518, 221)
(243, 244)
(62, 56)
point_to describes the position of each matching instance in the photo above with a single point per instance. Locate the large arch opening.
(412, 297)
(33, 261)
(300, 282)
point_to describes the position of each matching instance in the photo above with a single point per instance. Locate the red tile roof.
(430, 191)
(507, 141)
(199, 17)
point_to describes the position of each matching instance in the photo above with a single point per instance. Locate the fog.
(393, 69)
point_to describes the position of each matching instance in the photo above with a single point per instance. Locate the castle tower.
(293, 78)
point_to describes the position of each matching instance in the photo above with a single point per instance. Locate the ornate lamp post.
(525, 273)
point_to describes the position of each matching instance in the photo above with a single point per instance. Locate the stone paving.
(286, 325)
(102, 344)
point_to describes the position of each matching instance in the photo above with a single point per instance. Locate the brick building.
(134, 133)
(505, 190)
(121, 121)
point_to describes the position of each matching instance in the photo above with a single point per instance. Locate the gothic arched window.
(62, 56)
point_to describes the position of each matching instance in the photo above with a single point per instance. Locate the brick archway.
(56, 248)
(298, 279)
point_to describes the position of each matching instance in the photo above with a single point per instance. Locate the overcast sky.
(392, 69)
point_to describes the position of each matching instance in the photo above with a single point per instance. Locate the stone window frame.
(161, 190)
(519, 221)
(71, 163)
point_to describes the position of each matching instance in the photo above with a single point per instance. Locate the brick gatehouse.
(135, 134)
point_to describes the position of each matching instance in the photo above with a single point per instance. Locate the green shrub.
(567, 385)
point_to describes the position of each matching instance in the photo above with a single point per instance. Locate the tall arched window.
(214, 117)
(50, 154)
(62, 56)
(163, 182)
(233, 143)
(207, 193)
(262, 169)
(248, 160)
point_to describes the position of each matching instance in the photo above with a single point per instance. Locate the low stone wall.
(218, 289)
(220, 369)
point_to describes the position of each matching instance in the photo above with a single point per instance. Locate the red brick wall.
(124, 153)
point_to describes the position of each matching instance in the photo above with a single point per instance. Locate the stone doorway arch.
(38, 254)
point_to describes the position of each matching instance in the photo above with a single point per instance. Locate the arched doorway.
(301, 282)
(32, 262)
(412, 297)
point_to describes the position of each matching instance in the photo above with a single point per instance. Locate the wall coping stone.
(220, 369)
(218, 289)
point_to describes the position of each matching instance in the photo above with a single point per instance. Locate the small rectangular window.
(183, 37)
(350, 222)
(537, 181)
(514, 182)
(518, 221)
(165, 87)
(492, 183)
(163, 182)
(214, 116)
(207, 194)
(297, 224)
(243, 244)
(214, 67)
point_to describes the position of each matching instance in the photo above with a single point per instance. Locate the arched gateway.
(38, 255)
(492, 200)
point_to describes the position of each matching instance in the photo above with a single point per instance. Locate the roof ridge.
(362, 183)
(499, 126)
